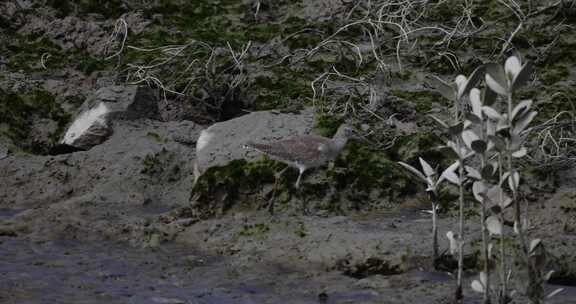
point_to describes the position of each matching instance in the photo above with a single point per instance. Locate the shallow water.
(65, 271)
(68, 271)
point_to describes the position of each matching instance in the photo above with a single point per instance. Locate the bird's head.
(346, 131)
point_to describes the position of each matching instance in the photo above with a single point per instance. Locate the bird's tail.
(249, 145)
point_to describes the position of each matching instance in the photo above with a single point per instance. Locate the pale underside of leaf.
(534, 243)
(477, 286)
(512, 67)
(414, 171)
(494, 225)
(461, 82)
(450, 174)
(426, 168)
(521, 107)
(476, 102)
(491, 113)
(496, 79)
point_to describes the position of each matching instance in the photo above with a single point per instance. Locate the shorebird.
(305, 151)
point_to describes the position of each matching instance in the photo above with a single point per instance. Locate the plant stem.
(434, 234)
(534, 288)
(459, 295)
(503, 267)
(485, 240)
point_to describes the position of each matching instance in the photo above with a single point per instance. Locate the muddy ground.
(124, 222)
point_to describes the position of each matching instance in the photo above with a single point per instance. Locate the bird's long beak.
(361, 137)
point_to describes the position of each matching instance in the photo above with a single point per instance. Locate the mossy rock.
(18, 112)
(220, 188)
(106, 8)
(363, 170)
(410, 147)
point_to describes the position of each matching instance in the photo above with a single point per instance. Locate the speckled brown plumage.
(305, 151)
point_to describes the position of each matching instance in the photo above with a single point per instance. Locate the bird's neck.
(339, 141)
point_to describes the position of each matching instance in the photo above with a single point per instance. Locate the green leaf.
(487, 172)
(499, 142)
(456, 129)
(472, 118)
(496, 79)
(426, 168)
(479, 146)
(523, 76)
(473, 79)
(523, 122)
(515, 142)
(489, 97)
(448, 151)
(414, 171)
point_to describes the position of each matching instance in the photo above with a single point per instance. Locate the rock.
(41, 131)
(92, 126)
(3, 149)
(73, 32)
(136, 22)
(223, 142)
(118, 188)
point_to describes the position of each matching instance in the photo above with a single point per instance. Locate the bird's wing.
(295, 149)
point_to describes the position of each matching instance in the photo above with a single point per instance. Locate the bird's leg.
(277, 177)
(301, 192)
(298, 180)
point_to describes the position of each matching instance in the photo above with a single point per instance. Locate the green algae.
(24, 53)
(363, 169)
(554, 74)
(256, 229)
(424, 101)
(219, 188)
(18, 111)
(327, 124)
